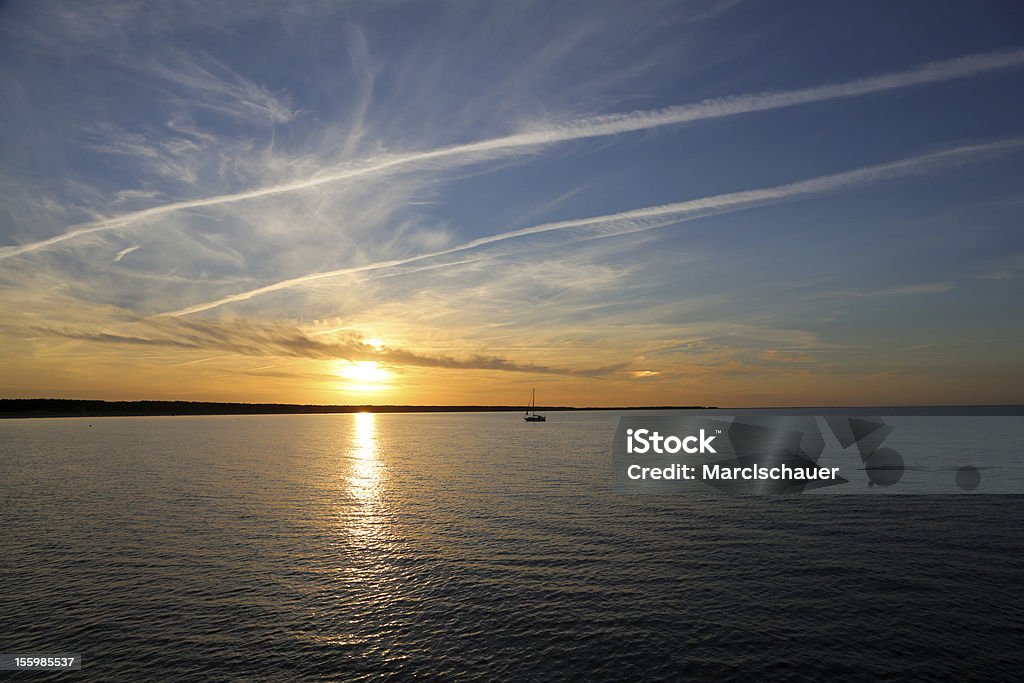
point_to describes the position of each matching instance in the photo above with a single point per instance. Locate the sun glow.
(366, 375)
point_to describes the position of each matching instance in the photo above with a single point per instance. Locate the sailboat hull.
(531, 413)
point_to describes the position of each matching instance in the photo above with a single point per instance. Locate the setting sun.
(365, 375)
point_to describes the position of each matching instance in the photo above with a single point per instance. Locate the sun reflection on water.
(365, 481)
(366, 518)
(363, 543)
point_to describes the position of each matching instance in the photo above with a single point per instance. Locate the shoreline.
(37, 408)
(57, 408)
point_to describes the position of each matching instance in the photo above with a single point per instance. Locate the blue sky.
(733, 202)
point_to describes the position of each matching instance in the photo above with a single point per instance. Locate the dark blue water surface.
(464, 546)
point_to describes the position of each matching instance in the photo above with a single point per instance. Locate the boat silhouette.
(531, 413)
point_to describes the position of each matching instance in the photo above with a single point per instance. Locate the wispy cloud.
(220, 89)
(897, 290)
(124, 252)
(582, 128)
(660, 216)
(1007, 267)
(285, 340)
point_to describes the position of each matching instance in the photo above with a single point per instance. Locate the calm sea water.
(464, 546)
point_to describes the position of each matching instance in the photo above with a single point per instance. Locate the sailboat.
(531, 414)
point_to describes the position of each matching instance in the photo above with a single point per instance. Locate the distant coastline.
(13, 408)
(60, 407)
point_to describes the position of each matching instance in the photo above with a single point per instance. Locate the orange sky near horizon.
(82, 372)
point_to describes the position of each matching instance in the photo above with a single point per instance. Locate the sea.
(474, 546)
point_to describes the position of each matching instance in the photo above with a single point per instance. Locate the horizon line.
(398, 407)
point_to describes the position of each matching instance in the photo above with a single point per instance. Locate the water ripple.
(361, 547)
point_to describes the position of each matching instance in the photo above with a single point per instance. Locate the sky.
(716, 202)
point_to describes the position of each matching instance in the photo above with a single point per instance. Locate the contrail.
(588, 127)
(124, 252)
(649, 218)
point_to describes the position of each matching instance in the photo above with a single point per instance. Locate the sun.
(361, 371)
(365, 375)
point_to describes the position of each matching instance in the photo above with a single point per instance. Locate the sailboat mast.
(531, 410)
